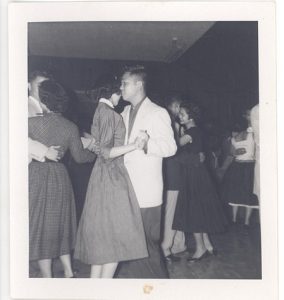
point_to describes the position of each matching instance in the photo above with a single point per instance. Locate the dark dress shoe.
(172, 258)
(194, 259)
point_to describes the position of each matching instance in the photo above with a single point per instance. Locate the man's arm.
(39, 151)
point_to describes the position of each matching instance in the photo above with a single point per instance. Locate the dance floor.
(238, 257)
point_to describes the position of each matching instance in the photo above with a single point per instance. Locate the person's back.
(108, 127)
(53, 129)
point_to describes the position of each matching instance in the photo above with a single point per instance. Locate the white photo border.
(36, 288)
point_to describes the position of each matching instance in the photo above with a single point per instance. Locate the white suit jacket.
(145, 169)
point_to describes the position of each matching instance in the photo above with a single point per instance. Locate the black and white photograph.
(196, 186)
(149, 146)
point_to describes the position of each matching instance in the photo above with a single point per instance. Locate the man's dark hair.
(139, 71)
(173, 97)
(34, 74)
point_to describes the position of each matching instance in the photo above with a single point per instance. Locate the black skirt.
(237, 187)
(198, 207)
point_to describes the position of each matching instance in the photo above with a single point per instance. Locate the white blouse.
(248, 144)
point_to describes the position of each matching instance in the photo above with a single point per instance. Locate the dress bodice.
(248, 144)
(196, 145)
(108, 128)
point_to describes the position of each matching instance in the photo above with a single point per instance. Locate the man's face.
(246, 115)
(130, 86)
(34, 86)
(174, 108)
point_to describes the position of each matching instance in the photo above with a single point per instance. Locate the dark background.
(220, 72)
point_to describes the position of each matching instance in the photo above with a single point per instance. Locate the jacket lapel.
(138, 123)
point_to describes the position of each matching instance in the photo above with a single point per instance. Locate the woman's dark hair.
(53, 95)
(107, 86)
(240, 125)
(192, 110)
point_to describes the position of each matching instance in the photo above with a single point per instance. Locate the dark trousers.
(154, 265)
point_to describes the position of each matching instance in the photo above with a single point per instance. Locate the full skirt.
(238, 183)
(111, 228)
(52, 213)
(198, 207)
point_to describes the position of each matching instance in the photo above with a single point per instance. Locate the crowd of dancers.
(153, 184)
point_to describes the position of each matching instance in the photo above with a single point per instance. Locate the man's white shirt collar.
(36, 103)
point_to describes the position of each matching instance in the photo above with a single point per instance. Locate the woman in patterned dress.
(52, 214)
(111, 228)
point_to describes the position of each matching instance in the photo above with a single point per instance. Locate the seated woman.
(238, 181)
(52, 214)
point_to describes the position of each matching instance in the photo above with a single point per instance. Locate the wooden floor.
(238, 257)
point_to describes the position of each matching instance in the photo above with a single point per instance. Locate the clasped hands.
(92, 145)
(140, 142)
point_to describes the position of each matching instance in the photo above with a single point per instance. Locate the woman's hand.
(142, 140)
(143, 135)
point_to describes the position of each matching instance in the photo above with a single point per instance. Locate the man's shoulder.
(155, 107)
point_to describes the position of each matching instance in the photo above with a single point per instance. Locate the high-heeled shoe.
(194, 259)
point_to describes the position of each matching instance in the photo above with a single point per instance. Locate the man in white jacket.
(153, 124)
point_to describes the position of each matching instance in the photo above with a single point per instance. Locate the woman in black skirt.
(198, 209)
(237, 188)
